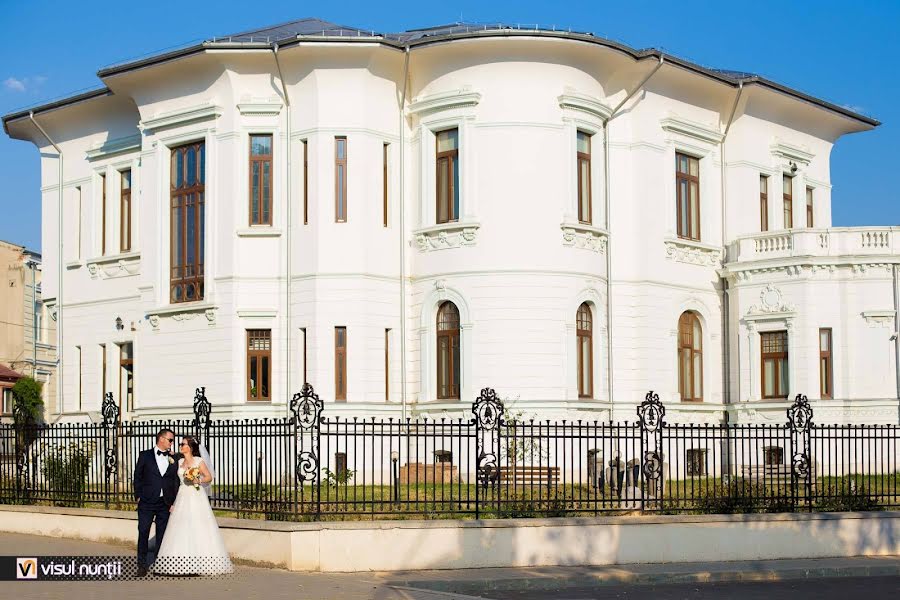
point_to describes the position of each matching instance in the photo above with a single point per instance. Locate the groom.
(155, 486)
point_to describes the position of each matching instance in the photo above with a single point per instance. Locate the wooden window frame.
(447, 155)
(696, 468)
(123, 363)
(125, 211)
(584, 204)
(788, 199)
(826, 370)
(340, 181)
(763, 203)
(102, 214)
(259, 354)
(78, 219)
(340, 365)
(581, 334)
(809, 207)
(187, 277)
(453, 342)
(261, 160)
(690, 179)
(686, 345)
(306, 182)
(778, 357)
(384, 182)
(773, 456)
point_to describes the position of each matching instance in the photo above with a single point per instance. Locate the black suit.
(148, 483)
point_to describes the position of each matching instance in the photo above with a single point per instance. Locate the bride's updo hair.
(195, 446)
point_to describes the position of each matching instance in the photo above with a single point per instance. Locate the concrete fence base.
(444, 544)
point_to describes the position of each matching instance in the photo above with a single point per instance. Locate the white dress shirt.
(162, 462)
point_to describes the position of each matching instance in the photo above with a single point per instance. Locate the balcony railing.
(834, 241)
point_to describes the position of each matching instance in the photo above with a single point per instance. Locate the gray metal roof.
(314, 29)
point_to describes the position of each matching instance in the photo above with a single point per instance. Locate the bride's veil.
(204, 454)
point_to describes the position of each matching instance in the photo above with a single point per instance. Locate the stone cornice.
(692, 129)
(112, 147)
(791, 152)
(183, 116)
(586, 104)
(444, 101)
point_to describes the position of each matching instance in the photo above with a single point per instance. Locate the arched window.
(448, 351)
(690, 357)
(584, 328)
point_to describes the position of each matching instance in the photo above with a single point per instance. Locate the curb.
(621, 576)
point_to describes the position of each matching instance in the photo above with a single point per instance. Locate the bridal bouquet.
(192, 477)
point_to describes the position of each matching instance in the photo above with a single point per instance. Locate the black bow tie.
(161, 453)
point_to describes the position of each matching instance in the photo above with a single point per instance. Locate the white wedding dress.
(192, 543)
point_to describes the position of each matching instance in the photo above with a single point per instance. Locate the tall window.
(39, 321)
(447, 175)
(103, 369)
(305, 371)
(448, 351)
(80, 387)
(305, 182)
(103, 214)
(125, 212)
(788, 194)
(809, 207)
(387, 365)
(687, 186)
(763, 203)
(186, 193)
(340, 363)
(126, 375)
(259, 364)
(584, 333)
(78, 226)
(340, 179)
(690, 358)
(696, 462)
(826, 367)
(384, 183)
(7, 400)
(260, 179)
(584, 177)
(774, 364)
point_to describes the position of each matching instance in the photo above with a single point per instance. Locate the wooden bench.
(529, 475)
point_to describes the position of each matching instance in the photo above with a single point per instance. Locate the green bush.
(523, 506)
(27, 394)
(741, 496)
(66, 471)
(847, 497)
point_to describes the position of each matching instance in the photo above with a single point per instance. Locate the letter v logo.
(26, 568)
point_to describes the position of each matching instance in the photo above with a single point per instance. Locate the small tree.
(27, 395)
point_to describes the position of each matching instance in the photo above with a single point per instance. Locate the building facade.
(27, 331)
(404, 219)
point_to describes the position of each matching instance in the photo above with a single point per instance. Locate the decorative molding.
(182, 312)
(260, 231)
(878, 318)
(113, 147)
(791, 152)
(444, 101)
(698, 131)
(588, 237)
(258, 313)
(586, 104)
(74, 264)
(771, 306)
(260, 108)
(154, 322)
(184, 116)
(447, 235)
(115, 265)
(694, 253)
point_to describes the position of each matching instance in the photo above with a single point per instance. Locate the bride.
(192, 544)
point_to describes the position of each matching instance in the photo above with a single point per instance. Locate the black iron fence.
(312, 466)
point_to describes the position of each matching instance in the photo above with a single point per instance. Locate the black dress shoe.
(142, 571)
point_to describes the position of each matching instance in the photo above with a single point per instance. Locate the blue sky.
(840, 51)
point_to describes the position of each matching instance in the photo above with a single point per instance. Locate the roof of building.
(314, 29)
(9, 375)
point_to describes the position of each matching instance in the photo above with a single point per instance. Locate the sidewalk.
(256, 582)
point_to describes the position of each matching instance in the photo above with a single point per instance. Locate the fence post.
(488, 411)
(306, 410)
(21, 422)
(650, 415)
(202, 410)
(110, 427)
(800, 416)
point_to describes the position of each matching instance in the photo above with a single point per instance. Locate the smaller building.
(27, 327)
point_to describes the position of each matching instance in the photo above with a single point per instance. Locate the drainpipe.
(287, 235)
(33, 265)
(59, 272)
(612, 115)
(896, 335)
(402, 187)
(726, 305)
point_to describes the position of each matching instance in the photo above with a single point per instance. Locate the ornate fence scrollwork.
(202, 411)
(799, 423)
(24, 429)
(651, 416)
(110, 428)
(306, 409)
(488, 418)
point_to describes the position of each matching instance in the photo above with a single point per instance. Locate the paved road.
(559, 583)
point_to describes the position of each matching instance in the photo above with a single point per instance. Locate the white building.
(526, 177)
